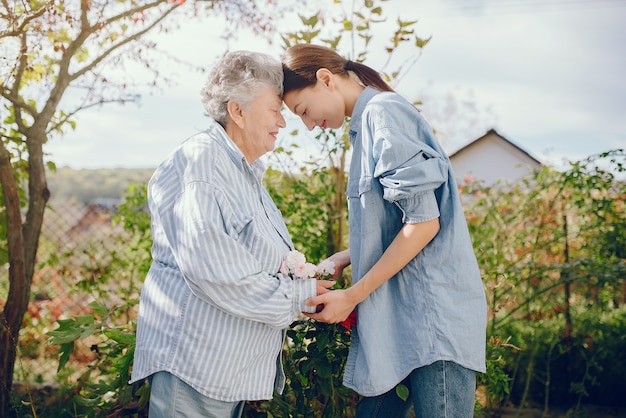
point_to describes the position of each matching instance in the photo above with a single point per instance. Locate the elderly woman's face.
(261, 122)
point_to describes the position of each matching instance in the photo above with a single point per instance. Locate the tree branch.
(27, 18)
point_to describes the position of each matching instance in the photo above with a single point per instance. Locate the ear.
(236, 112)
(325, 76)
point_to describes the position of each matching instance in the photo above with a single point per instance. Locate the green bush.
(557, 317)
(587, 366)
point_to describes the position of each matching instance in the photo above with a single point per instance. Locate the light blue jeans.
(171, 397)
(440, 390)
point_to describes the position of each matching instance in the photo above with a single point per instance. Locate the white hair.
(239, 76)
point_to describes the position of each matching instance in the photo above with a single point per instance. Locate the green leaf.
(84, 319)
(65, 350)
(119, 336)
(421, 43)
(310, 21)
(402, 392)
(98, 308)
(68, 331)
(323, 369)
(144, 395)
(83, 401)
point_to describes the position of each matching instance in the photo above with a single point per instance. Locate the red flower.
(350, 321)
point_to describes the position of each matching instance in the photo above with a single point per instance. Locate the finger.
(327, 283)
(324, 315)
(321, 290)
(315, 300)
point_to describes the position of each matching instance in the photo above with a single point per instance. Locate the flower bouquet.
(295, 265)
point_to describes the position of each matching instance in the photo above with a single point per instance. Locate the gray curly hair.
(239, 76)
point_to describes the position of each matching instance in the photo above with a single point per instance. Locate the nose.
(281, 120)
(309, 123)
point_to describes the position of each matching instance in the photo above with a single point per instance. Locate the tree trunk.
(23, 242)
(19, 287)
(568, 340)
(337, 216)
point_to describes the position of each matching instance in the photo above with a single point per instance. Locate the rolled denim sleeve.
(409, 170)
(419, 208)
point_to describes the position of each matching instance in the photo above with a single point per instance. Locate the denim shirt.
(434, 308)
(214, 307)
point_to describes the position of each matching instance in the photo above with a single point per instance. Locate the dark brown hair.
(301, 62)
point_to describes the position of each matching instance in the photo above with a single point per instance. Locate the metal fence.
(77, 245)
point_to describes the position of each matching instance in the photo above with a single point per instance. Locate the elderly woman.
(214, 307)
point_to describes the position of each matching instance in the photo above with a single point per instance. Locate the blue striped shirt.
(214, 307)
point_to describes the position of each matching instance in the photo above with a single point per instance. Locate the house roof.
(486, 136)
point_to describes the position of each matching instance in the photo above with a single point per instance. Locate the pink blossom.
(326, 268)
(305, 270)
(292, 260)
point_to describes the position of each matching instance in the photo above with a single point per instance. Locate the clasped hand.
(334, 306)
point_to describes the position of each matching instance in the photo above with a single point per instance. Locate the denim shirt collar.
(357, 112)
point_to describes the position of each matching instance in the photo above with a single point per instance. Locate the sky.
(548, 75)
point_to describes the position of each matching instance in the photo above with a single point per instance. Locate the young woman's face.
(319, 105)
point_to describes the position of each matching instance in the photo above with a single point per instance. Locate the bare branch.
(120, 44)
(26, 19)
(64, 78)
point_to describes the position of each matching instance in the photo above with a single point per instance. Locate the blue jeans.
(171, 397)
(440, 390)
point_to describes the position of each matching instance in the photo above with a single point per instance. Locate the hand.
(323, 286)
(337, 305)
(341, 260)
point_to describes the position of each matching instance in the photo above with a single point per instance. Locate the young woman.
(417, 290)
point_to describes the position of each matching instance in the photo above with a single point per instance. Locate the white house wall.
(492, 159)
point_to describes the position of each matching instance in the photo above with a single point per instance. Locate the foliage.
(496, 381)
(535, 357)
(108, 329)
(586, 368)
(308, 210)
(549, 259)
(314, 362)
(538, 361)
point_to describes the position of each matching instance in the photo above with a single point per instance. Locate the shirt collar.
(215, 130)
(359, 107)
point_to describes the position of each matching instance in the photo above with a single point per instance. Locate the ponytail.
(301, 62)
